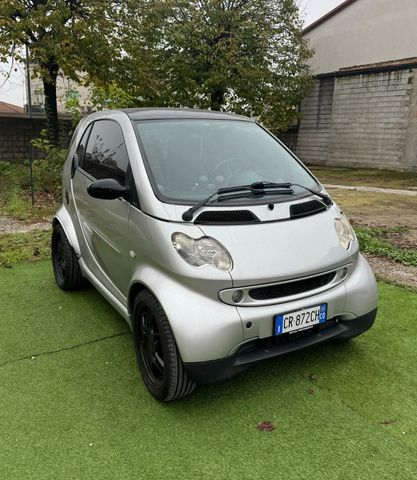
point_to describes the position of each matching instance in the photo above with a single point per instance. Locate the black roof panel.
(183, 113)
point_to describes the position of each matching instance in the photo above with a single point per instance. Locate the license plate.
(300, 320)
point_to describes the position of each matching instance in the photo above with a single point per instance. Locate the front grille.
(305, 209)
(226, 217)
(291, 288)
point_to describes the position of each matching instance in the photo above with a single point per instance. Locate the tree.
(69, 36)
(246, 56)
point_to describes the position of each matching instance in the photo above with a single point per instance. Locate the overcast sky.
(13, 90)
(312, 10)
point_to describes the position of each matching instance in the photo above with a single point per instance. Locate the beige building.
(363, 32)
(362, 110)
(66, 89)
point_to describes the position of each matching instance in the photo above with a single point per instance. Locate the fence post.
(29, 99)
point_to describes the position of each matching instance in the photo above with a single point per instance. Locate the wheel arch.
(134, 290)
(63, 218)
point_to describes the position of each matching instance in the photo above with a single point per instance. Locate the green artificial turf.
(342, 411)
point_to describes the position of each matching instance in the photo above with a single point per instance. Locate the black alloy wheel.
(150, 346)
(157, 355)
(64, 261)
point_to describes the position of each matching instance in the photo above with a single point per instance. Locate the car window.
(106, 154)
(190, 159)
(81, 146)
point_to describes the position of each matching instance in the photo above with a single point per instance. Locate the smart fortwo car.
(211, 239)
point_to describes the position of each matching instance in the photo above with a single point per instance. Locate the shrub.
(47, 170)
(372, 240)
(4, 169)
(4, 176)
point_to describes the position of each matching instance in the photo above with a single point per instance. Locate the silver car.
(218, 247)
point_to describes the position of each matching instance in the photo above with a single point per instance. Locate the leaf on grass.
(389, 421)
(266, 426)
(312, 377)
(310, 391)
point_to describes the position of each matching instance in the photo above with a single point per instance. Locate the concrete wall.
(16, 134)
(314, 130)
(365, 32)
(367, 120)
(288, 138)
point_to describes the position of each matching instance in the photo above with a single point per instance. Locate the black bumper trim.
(250, 353)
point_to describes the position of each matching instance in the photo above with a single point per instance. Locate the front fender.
(204, 328)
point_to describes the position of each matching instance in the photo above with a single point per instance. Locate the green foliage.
(15, 205)
(4, 169)
(4, 176)
(73, 37)
(15, 197)
(47, 171)
(72, 105)
(77, 34)
(13, 179)
(14, 176)
(244, 56)
(372, 240)
(111, 96)
(22, 247)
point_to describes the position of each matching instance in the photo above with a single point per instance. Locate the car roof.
(180, 113)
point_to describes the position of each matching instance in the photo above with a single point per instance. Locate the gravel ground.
(8, 225)
(391, 271)
(412, 192)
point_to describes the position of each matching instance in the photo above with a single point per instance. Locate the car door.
(103, 224)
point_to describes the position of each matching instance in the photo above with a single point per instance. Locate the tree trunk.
(51, 110)
(217, 98)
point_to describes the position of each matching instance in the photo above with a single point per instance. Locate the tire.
(64, 261)
(157, 355)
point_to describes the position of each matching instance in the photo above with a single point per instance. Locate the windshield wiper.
(267, 185)
(255, 188)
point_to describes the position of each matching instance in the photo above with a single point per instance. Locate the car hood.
(274, 251)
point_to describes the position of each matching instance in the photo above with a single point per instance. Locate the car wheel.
(64, 261)
(157, 354)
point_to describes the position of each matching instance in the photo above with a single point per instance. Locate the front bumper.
(257, 350)
(207, 329)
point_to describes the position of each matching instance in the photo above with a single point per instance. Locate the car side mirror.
(107, 189)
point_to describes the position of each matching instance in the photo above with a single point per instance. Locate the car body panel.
(271, 252)
(63, 217)
(103, 229)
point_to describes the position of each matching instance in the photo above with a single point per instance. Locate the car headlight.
(344, 231)
(202, 251)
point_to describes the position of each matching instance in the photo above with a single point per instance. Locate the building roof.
(373, 68)
(328, 15)
(10, 109)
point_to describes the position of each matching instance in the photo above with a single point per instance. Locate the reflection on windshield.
(190, 159)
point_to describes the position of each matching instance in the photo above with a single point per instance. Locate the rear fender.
(63, 218)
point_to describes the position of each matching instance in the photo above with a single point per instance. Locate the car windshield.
(190, 159)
